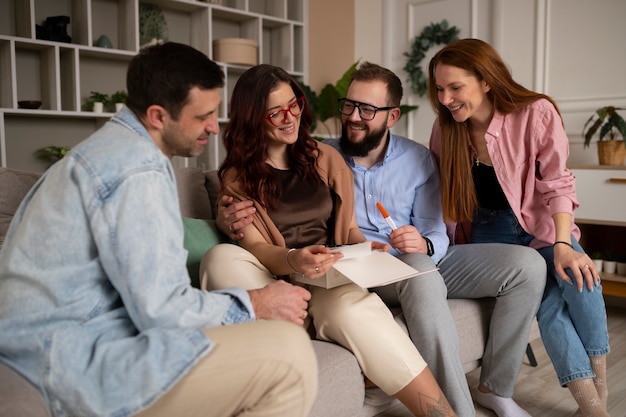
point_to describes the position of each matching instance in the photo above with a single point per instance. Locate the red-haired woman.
(502, 152)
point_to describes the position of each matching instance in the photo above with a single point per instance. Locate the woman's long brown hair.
(458, 196)
(245, 137)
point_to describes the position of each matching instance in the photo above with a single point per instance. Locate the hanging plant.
(434, 34)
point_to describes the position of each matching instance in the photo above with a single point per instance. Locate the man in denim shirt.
(96, 306)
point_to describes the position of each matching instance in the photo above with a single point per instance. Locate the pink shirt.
(529, 150)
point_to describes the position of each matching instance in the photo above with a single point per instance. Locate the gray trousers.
(515, 275)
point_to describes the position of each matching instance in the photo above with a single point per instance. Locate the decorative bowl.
(29, 104)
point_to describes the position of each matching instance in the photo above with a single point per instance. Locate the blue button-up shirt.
(96, 306)
(406, 182)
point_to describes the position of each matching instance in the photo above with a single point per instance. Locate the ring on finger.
(317, 270)
(230, 227)
(304, 314)
(586, 266)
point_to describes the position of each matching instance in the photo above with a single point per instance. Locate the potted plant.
(613, 150)
(97, 102)
(596, 257)
(609, 263)
(119, 98)
(52, 153)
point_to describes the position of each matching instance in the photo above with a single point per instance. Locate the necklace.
(478, 162)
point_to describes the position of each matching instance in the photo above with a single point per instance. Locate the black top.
(488, 190)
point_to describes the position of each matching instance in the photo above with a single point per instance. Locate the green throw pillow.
(200, 235)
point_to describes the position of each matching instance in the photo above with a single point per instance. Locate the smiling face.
(282, 98)
(463, 94)
(360, 136)
(188, 136)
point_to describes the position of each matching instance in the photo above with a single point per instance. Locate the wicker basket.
(611, 152)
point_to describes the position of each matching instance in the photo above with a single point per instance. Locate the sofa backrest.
(197, 192)
(14, 186)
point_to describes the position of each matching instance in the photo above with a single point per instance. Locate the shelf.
(613, 284)
(63, 72)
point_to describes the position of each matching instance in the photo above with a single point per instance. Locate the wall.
(570, 49)
(331, 40)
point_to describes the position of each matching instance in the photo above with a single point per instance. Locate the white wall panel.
(573, 50)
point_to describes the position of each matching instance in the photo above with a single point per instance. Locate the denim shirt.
(406, 182)
(96, 306)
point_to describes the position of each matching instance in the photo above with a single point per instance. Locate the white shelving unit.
(62, 75)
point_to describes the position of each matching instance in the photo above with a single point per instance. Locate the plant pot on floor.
(611, 152)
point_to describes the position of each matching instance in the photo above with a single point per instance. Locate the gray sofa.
(341, 384)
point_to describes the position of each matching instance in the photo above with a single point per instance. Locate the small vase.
(119, 106)
(609, 266)
(104, 42)
(98, 107)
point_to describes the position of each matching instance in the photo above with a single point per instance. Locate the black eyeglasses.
(295, 108)
(366, 111)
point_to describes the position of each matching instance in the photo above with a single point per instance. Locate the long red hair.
(458, 196)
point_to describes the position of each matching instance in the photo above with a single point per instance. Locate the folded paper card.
(364, 267)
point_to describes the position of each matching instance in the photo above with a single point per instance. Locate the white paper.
(364, 267)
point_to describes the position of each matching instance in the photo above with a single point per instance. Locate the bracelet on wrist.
(563, 243)
(289, 263)
(430, 249)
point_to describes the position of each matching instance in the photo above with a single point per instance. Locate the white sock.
(502, 406)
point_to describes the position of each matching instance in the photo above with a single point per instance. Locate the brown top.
(335, 174)
(305, 211)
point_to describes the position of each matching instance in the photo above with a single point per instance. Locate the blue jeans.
(572, 324)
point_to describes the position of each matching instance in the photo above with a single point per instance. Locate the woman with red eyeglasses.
(303, 195)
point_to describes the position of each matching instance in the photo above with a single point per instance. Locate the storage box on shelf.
(62, 74)
(602, 216)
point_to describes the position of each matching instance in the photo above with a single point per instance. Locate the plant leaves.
(328, 103)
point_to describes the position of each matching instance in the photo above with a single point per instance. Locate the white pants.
(348, 315)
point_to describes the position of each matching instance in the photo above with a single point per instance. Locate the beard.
(371, 140)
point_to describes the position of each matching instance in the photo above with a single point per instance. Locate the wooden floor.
(538, 391)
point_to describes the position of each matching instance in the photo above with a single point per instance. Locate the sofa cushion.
(200, 235)
(14, 185)
(193, 194)
(18, 397)
(341, 390)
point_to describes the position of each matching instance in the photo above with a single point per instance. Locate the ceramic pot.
(621, 268)
(98, 107)
(609, 266)
(598, 264)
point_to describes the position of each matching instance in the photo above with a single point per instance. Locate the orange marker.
(386, 216)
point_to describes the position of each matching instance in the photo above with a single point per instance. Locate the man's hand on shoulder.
(281, 301)
(232, 217)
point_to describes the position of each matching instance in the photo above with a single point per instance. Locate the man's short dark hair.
(163, 75)
(368, 71)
